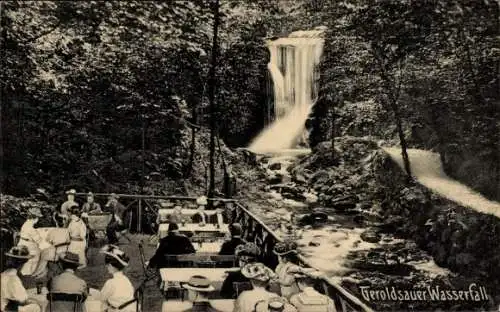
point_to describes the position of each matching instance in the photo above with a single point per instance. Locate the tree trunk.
(402, 139)
(211, 94)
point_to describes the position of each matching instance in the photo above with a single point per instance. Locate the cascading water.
(293, 70)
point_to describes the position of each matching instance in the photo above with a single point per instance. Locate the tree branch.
(48, 31)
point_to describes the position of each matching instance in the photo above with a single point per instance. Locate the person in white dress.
(62, 218)
(13, 295)
(117, 294)
(260, 276)
(78, 235)
(36, 266)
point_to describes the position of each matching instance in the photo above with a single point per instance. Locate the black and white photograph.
(250, 156)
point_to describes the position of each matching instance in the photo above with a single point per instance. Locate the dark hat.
(74, 209)
(235, 229)
(173, 227)
(248, 249)
(70, 257)
(115, 252)
(19, 252)
(199, 283)
(284, 248)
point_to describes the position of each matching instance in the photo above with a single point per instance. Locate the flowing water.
(426, 166)
(292, 67)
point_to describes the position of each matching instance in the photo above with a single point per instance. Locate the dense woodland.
(112, 95)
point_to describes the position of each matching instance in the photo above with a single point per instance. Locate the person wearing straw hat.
(199, 287)
(260, 276)
(78, 235)
(309, 299)
(67, 282)
(36, 266)
(245, 254)
(13, 295)
(118, 290)
(201, 216)
(275, 304)
(63, 216)
(172, 244)
(287, 255)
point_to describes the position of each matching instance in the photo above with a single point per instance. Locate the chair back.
(12, 306)
(240, 287)
(76, 299)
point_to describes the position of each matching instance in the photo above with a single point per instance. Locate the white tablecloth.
(193, 227)
(224, 305)
(182, 275)
(92, 304)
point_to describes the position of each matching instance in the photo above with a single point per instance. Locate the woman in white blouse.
(118, 291)
(13, 295)
(36, 266)
(78, 235)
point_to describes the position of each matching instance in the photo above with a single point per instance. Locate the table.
(196, 228)
(182, 275)
(92, 304)
(224, 305)
(212, 247)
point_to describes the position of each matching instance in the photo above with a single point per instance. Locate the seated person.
(229, 246)
(247, 253)
(41, 250)
(260, 276)
(198, 289)
(201, 216)
(91, 207)
(172, 244)
(309, 299)
(13, 295)
(288, 259)
(61, 217)
(177, 216)
(275, 304)
(118, 290)
(67, 282)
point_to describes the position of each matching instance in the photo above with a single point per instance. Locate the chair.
(240, 287)
(76, 299)
(138, 299)
(12, 306)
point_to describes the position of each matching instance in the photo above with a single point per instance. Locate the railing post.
(139, 216)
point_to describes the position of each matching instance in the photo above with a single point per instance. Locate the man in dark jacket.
(120, 219)
(236, 282)
(172, 244)
(229, 246)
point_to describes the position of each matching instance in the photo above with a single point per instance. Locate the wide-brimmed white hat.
(71, 192)
(258, 271)
(199, 283)
(202, 201)
(115, 252)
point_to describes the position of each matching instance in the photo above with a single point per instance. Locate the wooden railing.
(256, 231)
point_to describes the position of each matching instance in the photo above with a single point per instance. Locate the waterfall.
(292, 67)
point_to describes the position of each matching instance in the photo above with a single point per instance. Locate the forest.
(113, 95)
